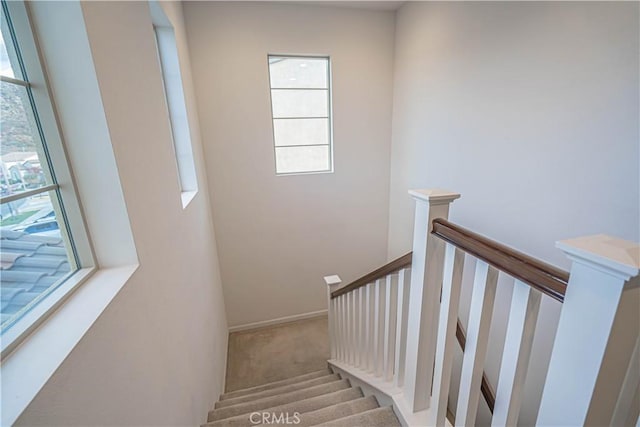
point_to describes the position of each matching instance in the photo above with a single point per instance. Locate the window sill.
(305, 173)
(187, 197)
(30, 365)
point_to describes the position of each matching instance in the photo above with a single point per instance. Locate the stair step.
(275, 384)
(301, 406)
(341, 410)
(379, 417)
(278, 390)
(281, 399)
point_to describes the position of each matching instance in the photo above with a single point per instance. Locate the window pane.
(5, 64)
(302, 159)
(22, 166)
(34, 259)
(300, 131)
(298, 72)
(172, 79)
(9, 64)
(299, 103)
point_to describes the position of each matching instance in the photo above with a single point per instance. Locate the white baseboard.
(286, 319)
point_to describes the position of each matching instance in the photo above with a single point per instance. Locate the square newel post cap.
(434, 196)
(611, 255)
(332, 280)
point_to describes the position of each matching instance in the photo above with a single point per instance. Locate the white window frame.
(329, 113)
(169, 60)
(62, 187)
(60, 30)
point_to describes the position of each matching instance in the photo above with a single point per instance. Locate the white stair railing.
(368, 325)
(396, 328)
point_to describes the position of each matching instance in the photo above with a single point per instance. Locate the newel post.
(424, 295)
(597, 333)
(333, 283)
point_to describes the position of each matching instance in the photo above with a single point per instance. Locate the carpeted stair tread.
(301, 406)
(281, 399)
(334, 412)
(275, 384)
(379, 417)
(278, 390)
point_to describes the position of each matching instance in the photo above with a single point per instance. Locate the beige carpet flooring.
(275, 353)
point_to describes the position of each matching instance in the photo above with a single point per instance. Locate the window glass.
(36, 250)
(302, 158)
(301, 113)
(5, 64)
(299, 103)
(24, 166)
(34, 256)
(176, 106)
(301, 131)
(299, 72)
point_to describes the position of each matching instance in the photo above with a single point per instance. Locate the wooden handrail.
(546, 278)
(385, 270)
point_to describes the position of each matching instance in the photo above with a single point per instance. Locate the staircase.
(319, 398)
(397, 329)
(396, 332)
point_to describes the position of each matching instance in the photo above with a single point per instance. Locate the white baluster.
(381, 285)
(336, 332)
(446, 345)
(482, 298)
(347, 328)
(525, 304)
(350, 328)
(597, 331)
(424, 296)
(404, 279)
(390, 316)
(363, 328)
(371, 323)
(338, 326)
(628, 405)
(339, 331)
(343, 329)
(376, 323)
(356, 323)
(332, 282)
(354, 319)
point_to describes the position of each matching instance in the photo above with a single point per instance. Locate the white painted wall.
(156, 356)
(279, 235)
(530, 111)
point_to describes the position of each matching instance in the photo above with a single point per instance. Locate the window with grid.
(37, 252)
(301, 112)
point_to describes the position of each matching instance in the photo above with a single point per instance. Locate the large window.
(177, 109)
(301, 112)
(38, 204)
